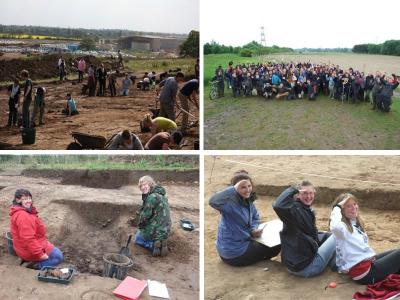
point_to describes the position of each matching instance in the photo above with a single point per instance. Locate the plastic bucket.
(10, 245)
(28, 136)
(116, 265)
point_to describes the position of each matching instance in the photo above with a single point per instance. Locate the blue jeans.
(325, 253)
(139, 240)
(55, 257)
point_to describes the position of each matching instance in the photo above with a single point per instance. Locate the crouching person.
(29, 234)
(154, 219)
(304, 251)
(72, 108)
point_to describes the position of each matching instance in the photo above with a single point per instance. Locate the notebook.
(130, 288)
(270, 236)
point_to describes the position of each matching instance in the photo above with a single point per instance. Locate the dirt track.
(226, 282)
(103, 116)
(87, 222)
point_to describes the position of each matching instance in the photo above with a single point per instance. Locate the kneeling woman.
(239, 224)
(154, 219)
(29, 233)
(353, 254)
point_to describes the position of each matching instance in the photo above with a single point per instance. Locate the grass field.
(98, 162)
(162, 64)
(35, 37)
(255, 123)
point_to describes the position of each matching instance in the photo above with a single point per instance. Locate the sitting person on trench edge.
(239, 224)
(305, 251)
(29, 234)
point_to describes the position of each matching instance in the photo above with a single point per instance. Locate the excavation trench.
(370, 198)
(111, 179)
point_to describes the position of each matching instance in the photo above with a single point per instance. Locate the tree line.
(248, 50)
(390, 47)
(78, 33)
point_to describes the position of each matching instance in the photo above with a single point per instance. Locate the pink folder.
(130, 288)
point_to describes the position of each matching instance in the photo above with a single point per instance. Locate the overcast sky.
(300, 23)
(169, 16)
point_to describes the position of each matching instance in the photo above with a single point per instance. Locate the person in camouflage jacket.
(154, 218)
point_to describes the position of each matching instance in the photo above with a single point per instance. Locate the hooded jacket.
(154, 219)
(299, 236)
(28, 234)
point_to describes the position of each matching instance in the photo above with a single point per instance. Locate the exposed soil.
(88, 222)
(40, 66)
(382, 219)
(102, 116)
(111, 179)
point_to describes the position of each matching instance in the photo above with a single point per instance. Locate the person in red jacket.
(29, 233)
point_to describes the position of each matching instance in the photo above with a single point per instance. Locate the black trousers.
(102, 88)
(255, 252)
(12, 115)
(80, 76)
(385, 264)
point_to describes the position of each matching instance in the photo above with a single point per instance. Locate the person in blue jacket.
(239, 224)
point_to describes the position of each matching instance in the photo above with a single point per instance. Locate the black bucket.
(28, 136)
(116, 265)
(10, 245)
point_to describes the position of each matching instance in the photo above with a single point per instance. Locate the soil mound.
(40, 67)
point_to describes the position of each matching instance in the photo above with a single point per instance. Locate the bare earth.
(85, 223)
(225, 282)
(104, 116)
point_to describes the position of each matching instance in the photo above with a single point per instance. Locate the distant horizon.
(174, 33)
(209, 42)
(172, 16)
(300, 48)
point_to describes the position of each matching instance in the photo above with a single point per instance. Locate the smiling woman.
(239, 224)
(29, 234)
(354, 256)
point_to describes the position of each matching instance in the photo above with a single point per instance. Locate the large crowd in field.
(292, 81)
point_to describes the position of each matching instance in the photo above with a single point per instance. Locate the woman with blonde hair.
(158, 124)
(353, 254)
(154, 220)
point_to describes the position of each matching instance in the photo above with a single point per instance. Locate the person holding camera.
(305, 251)
(239, 224)
(354, 256)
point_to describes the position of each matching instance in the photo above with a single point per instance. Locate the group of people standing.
(25, 119)
(14, 91)
(305, 251)
(31, 244)
(295, 80)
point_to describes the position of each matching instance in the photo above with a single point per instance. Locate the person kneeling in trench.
(29, 234)
(154, 219)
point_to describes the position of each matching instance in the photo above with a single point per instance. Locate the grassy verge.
(99, 162)
(254, 123)
(162, 64)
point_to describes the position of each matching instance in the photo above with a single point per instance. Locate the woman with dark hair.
(353, 255)
(239, 224)
(29, 233)
(14, 92)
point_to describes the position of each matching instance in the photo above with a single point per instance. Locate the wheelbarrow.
(87, 141)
